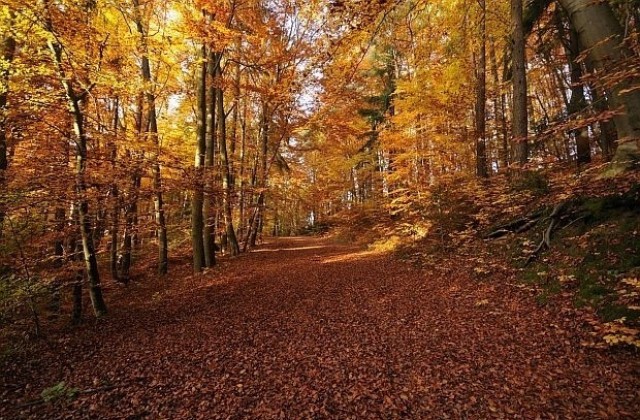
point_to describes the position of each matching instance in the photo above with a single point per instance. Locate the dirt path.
(306, 329)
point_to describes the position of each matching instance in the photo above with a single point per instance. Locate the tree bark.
(481, 99)
(7, 51)
(209, 216)
(115, 204)
(578, 102)
(227, 184)
(600, 33)
(198, 194)
(84, 220)
(519, 110)
(242, 198)
(499, 109)
(129, 233)
(151, 134)
(256, 219)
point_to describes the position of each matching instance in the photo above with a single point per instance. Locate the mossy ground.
(589, 259)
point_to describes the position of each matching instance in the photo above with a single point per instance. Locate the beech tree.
(76, 94)
(601, 34)
(133, 132)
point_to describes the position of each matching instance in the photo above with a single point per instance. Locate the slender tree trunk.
(115, 199)
(235, 118)
(499, 109)
(519, 111)
(243, 139)
(130, 234)
(227, 184)
(84, 220)
(208, 210)
(260, 207)
(151, 133)
(7, 51)
(260, 173)
(198, 194)
(481, 98)
(131, 210)
(578, 102)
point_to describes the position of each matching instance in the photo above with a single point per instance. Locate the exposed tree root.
(516, 226)
(554, 219)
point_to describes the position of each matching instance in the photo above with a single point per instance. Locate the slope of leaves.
(593, 260)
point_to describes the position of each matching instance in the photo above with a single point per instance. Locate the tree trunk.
(151, 133)
(129, 233)
(481, 99)
(84, 220)
(242, 198)
(7, 51)
(519, 110)
(498, 109)
(208, 210)
(261, 166)
(131, 210)
(608, 134)
(227, 184)
(600, 33)
(198, 194)
(578, 102)
(115, 204)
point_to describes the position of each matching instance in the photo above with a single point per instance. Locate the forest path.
(303, 328)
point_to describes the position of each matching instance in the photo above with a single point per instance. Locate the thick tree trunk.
(519, 110)
(235, 117)
(600, 33)
(74, 252)
(198, 194)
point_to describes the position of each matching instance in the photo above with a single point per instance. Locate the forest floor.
(307, 328)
